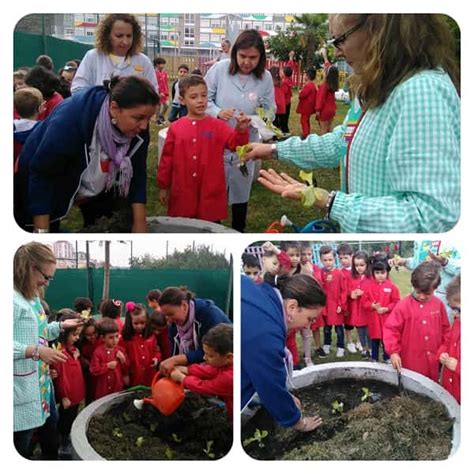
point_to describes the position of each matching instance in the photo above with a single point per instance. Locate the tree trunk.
(106, 289)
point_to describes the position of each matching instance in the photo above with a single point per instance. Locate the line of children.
(191, 174)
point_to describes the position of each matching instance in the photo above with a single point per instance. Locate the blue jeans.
(176, 112)
(362, 331)
(375, 350)
(339, 335)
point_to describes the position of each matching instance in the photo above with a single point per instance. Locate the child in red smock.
(112, 309)
(109, 364)
(158, 329)
(287, 85)
(418, 325)
(191, 174)
(306, 100)
(280, 99)
(334, 285)
(325, 104)
(141, 350)
(449, 354)
(87, 344)
(358, 315)
(214, 377)
(380, 299)
(69, 383)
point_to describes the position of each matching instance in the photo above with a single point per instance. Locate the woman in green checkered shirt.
(34, 405)
(402, 159)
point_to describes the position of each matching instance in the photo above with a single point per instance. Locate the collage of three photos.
(333, 140)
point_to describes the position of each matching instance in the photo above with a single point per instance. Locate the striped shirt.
(403, 164)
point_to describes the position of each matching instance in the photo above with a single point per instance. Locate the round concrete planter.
(81, 448)
(184, 225)
(412, 381)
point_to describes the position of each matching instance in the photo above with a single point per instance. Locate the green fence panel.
(133, 285)
(27, 47)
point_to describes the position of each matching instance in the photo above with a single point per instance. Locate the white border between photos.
(460, 236)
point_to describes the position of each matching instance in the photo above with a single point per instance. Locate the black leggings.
(239, 216)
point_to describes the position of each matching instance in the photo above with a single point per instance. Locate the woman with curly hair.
(402, 157)
(118, 45)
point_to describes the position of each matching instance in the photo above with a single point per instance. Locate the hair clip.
(117, 302)
(130, 306)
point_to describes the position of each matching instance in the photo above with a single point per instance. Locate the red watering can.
(167, 395)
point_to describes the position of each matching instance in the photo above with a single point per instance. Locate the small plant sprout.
(153, 427)
(117, 433)
(139, 441)
(208, 449)
(176, 438)
(258, 436)
(366, 394)
(337, 407)
(169, 453)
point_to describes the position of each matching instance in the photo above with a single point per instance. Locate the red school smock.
(287, 85)
(307, 98)
(415, 331)
(388, 295)
(107, 380)
(451, 380)
(358, 314)
(192, 167)
(163, 343)
(334, 284)
(140, 352)
(213, 381)
(325, 103)
(280, 99)
(70, 382)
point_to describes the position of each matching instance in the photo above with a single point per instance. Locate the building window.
(257, 26)
(189, 32)
(204, 23)
(268, 26)
(164, 21)
(69, 31)
(173, 21)
(90, 33)
(189, 18)
(216, 38)
(164, 36)
(204, 37)
(188, 42)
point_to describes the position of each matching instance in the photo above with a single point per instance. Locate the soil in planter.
(387, 426)
(199, 429)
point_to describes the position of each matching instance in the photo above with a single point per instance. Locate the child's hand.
(126, 380)
(66, 403)
(376, 306)
(154, 362)
(243, 122)
(451, 363)
(163, 196)
(259, 151)
(53, 373)
(338, 309)
(307, 268)
(396, 361)
(269, 247)
(226, 114)
(382, 310)
(443, 357)
(121, 357)
(177, 376)
(76, 354)
(112, 364)
(182, 368)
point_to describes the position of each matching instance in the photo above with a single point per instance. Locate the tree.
(286, 41)
(314, 28)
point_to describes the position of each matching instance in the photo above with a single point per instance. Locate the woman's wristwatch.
(35, 355)
(41, 231)
(274, 151)
(329, 203)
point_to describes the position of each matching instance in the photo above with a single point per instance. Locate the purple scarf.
(115, 145)
(186, 332)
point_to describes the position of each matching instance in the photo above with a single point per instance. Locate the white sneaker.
(340, 352)
(359, 346)
(351, 347)
(326, 349)
(308, 362)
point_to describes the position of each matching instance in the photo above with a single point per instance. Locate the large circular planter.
(184, 225)
(411, 381)
(81, 449)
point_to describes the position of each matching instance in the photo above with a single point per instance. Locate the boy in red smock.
(334, 285)
(69, 382)
(163, 88)
(191, 174)
(449, 354)
(214, 377)
(109, 365)
(287, 85)
(306, 100)
(418, 325)
(87, 344)
(380, 299)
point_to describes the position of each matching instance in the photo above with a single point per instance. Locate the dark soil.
(388, 426)
(199, 429)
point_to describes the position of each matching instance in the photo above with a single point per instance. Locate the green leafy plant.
(169, 453)
(366, 394)
(176, 438)
(241, 152)
(208, 449)
(117, 433)
(337, 407)
(258, 436)
(139, 441)
(153, 427)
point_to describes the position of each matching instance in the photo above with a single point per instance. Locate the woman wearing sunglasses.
(34, 405)
(402, 157)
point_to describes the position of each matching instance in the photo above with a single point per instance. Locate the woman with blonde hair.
(402, 163)
(118, 46)
(34, 404)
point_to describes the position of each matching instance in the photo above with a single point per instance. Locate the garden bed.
(386, 425)
(198, 430)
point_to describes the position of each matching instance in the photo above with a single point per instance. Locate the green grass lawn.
(264, 206)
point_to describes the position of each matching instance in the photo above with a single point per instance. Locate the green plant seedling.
(337, 407)
(241, 152)
(169, 453)
(366, 394)
(117, 433)
(258, 436)
(208, 449)
(176, 438)
(139, 441)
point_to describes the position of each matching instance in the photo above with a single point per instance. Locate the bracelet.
(305, 423)
(329, 203)
(41, 231)
(35, 354)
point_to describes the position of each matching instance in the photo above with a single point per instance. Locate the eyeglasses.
(46, 277)
(337, 41)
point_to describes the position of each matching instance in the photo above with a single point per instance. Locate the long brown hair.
(27, 258)
(398, 47)
(248, 39)
(104, 28)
